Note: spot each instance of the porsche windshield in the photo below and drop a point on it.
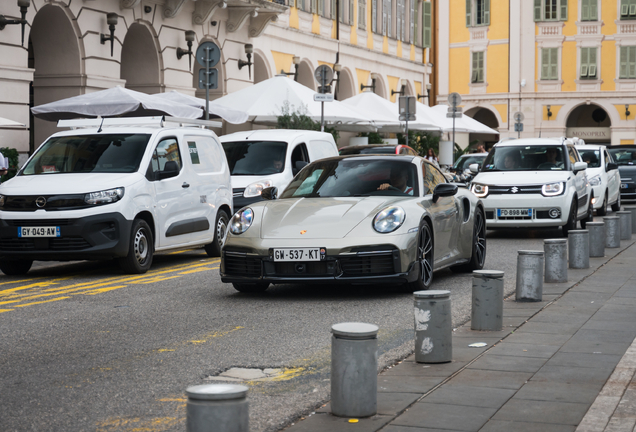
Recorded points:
(103, 153)
(255, 157)
(354, 177)
(525, 158)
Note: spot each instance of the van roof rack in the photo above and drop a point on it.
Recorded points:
(156, 121)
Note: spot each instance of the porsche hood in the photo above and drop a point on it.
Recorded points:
(313, 218)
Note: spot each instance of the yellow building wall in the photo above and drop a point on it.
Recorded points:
(282, 61)
(569, 70)
(502, 109)
(554, 109)
(315, 24)
(620, 109)
(363, 77)
(499, 11)
(627, 141)
(459, 66)
(609, 12)
(608, 65)
(570, 28)
(393, 84)
(458, 30)
(354, 33)
(497, 68)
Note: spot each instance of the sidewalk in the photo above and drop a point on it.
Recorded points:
(563, 364)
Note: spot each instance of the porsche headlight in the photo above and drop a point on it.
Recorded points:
(241, 221)
(104, 197)
(389, 219)
(479, 190)
(255, 189)
(552, 189)
(595, 181)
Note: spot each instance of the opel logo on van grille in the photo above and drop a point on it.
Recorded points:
(40, 202)
(514, 189)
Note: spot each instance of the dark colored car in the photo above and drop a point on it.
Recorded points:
(625, 157)
(459, 171)
(378, 149)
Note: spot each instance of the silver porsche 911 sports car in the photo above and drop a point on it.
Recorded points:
(356, 220)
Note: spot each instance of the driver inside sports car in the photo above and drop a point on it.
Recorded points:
(398, 180)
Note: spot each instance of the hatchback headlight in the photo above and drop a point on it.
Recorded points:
(479, 190)
(595, 181)
(255, 189)
(2, 200)
(389, 219)
(241, 221)
(104, 197)
(552, 189)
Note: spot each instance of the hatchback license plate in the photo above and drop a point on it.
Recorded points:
(299, 254)
(39, 232)
(514, 212)
(624, 185)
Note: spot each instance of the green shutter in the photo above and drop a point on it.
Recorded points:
(585, 10)
(554, 59)
(486, 12)
(593, 10)
(631, 61)
(469, 21)
(624, 8)
(475, 72)
(624, 68)
(584, 61)
(545, 63)
(563, 10)
(481, 67)
(415, 27)
(537, 10)
(426, 24)
(592, 63)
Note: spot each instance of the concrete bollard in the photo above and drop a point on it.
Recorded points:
(218, 408)
(354, 370)
(612, 231)
(626, 224)
(632, 210)
(530, 266)
(556, 260)
(578, 249)
(487, 306)
(433, 326)
(597, 238)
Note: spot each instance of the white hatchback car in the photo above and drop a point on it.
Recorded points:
(534, 183)
(603, 175)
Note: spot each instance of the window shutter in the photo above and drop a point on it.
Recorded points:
(585, 10)
(486, 12)
(537, 10)
(412, 17)
(469, 21)
(362, 14)
(374, 16)
(554, 63)
(592, 63)
(321, 7)
(632, 9)
(332, 9)
(341, 10)
(314, 6)
(389, 18)
(545, 63)
(593, 10)
(584, 61)
(563, 10)
(631, 61)
(426, 24)
(352, 6)
(398, 21)
(474, 74)
(384, 17)
(481, 67)
(624, 72)
(624, 8)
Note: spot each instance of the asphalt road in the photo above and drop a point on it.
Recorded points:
(84, 347)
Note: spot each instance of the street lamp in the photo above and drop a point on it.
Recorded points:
(111, 20)
(24, 5)
(295, 62)
(189, 37)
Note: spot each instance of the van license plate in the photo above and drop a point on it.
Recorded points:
(514, 212)
(299, 254)
(39, 232)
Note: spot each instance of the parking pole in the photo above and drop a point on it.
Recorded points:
(597, 238)
(354, 369)
(578, 249)
(612, 231)
(530, 264)
(556, 260)
(632, 210)
(626, 224)
(218, 408)
(487, 306)
(433, 326)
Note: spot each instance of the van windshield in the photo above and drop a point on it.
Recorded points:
(103, 153)
(525, 158)
(255, 157)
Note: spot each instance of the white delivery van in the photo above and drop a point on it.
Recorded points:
(260, 159)
(116, 188)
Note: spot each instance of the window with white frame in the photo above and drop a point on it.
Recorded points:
(589, 10)
(477, 13)
(352, 6)
(550, 10)
(588, 63)
(400, 19)
(374, 16)
(362, 14)
(332, 9)
(341, 10)
(412, 21)
(426, 24)
(549, 63)
(386, 17)
(628, 9)
(478, 67)
(627, 68)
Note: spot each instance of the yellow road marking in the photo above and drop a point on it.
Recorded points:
(5, 310)
(45, 301)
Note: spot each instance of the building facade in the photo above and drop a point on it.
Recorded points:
(67, 49)
(569, 66)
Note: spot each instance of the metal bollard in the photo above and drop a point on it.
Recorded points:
(632, 210)
(579, 249)
(354, 370)
(529, 276)
(626, 224)
(612, 231)
(597, 238)
(433, 326)
(218, 408)
(487, 306)
(556, 260)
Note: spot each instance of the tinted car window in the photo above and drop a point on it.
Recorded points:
(525, 158)
(625, 156)
(255, 157)
(431, 177)
(592, 157)
(463, 162)
(368, 150)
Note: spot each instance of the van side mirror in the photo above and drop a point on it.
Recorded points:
(474, 168)
(170, 169)
(270, 193)
(444, 190)
(579, 166)
(298, 166)
(612, 166)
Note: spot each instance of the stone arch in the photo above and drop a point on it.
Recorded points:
(221, 73)
(590, 121)
(306, 75)
(410, 91)
(346, 85)
(485, 116)
(381, 87)
(56, 51)
(261, 69)
(140, 60)
(585, 115)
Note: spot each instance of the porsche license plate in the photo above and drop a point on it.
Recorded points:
(299, 254)
(38, 232)
(514, 212)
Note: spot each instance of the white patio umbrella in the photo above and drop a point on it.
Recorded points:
(5, 122)
(462, 124)
(228, 114)
(384, 113)
(113, 102)
(266, 101)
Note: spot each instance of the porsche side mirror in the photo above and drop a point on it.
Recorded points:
(444, 190)
(474, 168)
(270, 193)
(579, 166)
(612, 166)
(298, 166)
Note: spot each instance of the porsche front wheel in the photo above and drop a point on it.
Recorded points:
(424, 260)
(478, 256)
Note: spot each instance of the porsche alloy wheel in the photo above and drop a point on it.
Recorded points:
(478, 256)
(424, 259)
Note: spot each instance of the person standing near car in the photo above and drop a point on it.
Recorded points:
(432, 157)
(3, 166)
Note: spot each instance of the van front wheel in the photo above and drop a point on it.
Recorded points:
(220, 232)
(140, 250)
